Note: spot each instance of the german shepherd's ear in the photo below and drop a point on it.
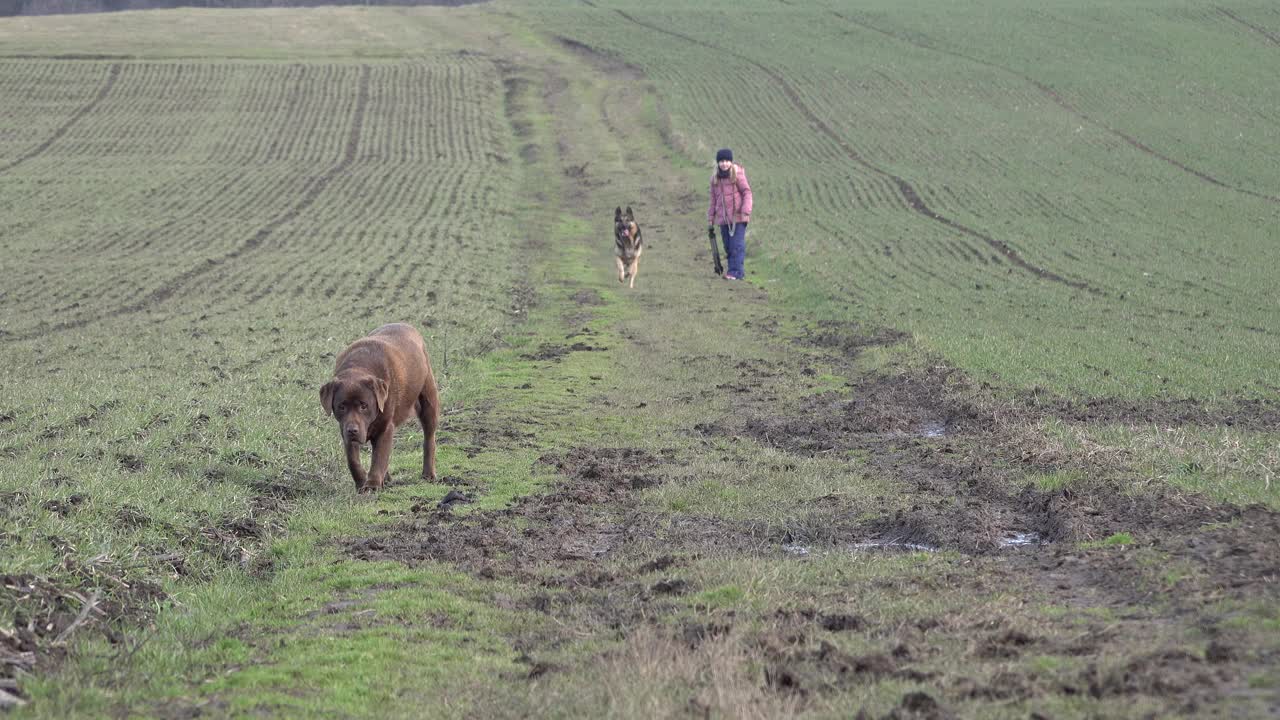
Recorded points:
(617, 213)
(326, 396)
(628, 214)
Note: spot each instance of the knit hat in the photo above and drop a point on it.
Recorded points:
(724, 154)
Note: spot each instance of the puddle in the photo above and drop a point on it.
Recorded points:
(893, 545)
(1020, 539)
(797, 550)
(935, 429)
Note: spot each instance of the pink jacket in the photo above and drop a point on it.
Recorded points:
(730, 198)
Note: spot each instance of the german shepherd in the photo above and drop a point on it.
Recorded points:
(627, 244)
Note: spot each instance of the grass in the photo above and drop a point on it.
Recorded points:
(1227, 464)
(714, 488)
(1120, 539)
(160, 417)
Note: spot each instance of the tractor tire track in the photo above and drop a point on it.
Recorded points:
(905, 188)
(1270, 36)
(112, 75)
(309, 197)
(1062, 102)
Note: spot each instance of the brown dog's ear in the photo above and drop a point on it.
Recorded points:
(380, 391)
(326, 396)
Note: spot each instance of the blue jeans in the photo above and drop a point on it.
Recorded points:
(735, 248)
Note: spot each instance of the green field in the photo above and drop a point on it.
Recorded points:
(992, 429)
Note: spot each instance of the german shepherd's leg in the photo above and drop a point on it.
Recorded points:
(635, 264)
(621, 269)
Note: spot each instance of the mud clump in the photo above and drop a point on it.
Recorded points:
(842, 623)
(548, 351)
(823, 669)
(1168, 673)
(1009, 644)
(587, 296)
(919, 706)
(848, 341)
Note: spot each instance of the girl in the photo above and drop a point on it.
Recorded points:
(731, 210)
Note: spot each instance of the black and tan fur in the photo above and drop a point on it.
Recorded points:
(627, 244)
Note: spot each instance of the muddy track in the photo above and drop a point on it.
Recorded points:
(907, 191)
(1270, 36)
(964, 482)
(312, 193)
(112, 75)
(964, 475)
(1065, 105)
(591, 557)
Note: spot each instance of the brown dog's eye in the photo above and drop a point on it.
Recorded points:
(363, 406)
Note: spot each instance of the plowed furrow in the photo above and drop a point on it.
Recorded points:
(310, 194)
(1069, 107)
(113, 74)
(1271, 37)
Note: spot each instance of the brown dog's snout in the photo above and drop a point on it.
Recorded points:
(352, 433)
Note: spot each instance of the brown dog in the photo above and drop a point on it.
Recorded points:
(379, 381)
(627, 244)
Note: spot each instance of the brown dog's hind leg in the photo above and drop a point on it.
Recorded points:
(428, 408)
(353, 463)
(381, 459)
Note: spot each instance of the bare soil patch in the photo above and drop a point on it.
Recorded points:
(540, 538)
(49, 616)
(587, 296)
(113, 599)
(553, 351)
(1241, 413)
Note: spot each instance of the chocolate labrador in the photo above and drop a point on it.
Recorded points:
(379, 381)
